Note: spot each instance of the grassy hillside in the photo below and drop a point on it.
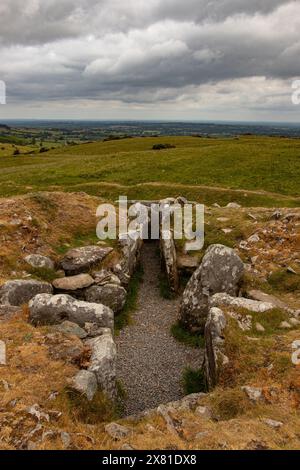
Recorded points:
(251, 170)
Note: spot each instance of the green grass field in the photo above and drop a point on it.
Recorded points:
(255, 171)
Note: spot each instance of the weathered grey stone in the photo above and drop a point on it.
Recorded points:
(219, 300)
(116, 431)
(80, 260)
(214, 345)
(263, 297)
(169, 258)
(48, 309)
(104, 277)
(39, 261)
(85, 383)
(131, 251)
(2, 353)
(221, 271)
(253, 393)
(122, 274)
(73, 329)
(103, 363)
(111, 295)
(188, 263)
(19, 292)
(73, 283)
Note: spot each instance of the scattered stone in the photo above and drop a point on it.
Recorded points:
(116, 431)
(259, 328)
(38, 413)
(291, 270)
(19, 292)
(220, 271)
(219, 300)
(223, 219)
(244, 321)
(254, 238)
(103, 362)
(276, 215)
(285, 325)
(39, 261)
(65, 439)
(201, 435)
(2, 353)
(73, 283)
(111, 295)
(272, 423)
(204, 412)
(253, 393)
(127, 447)
(227, 230)
(73, 329)
(252, 216)
(79, 260)
(4, 383)
(85, 383)
(48, 309)
(104, 277)
(233, 205)
(216, 205)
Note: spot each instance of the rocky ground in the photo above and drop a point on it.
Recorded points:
(151, 362)
(255, 404)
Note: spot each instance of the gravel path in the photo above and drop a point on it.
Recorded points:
(150, 360)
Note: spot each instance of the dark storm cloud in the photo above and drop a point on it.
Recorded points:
(146, 51)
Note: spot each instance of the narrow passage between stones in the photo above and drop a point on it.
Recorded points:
(150, 361)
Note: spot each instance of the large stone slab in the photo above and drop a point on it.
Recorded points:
(103, 362)
(80, 260)
(73, 283)
(111, 295)
(169, 258)
(48, 309)
(214, 346)
(19, 292)
(224, 300)
(221, 270)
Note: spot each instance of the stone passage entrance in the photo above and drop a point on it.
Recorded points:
(150, 361)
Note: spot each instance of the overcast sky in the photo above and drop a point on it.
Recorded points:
(150, 59)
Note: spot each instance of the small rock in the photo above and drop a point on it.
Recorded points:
(70, 328)
(216, 205)
(203, 411)
(37, 413)
(294, 321)
(2, 353)
(201, 435)
(223, 219)
(276, 215)
(65, 439)
(291, 270)
(127, 447)
(233, 205)
(73, 283)
(104, 277)
(254, 238)
(285, 325)
(272, 423)
(116, 431)
(85, 383)
(39, 261)
(259, 328)
(254, 393)
(227, 230)
(79, 260)
(111, 295)
(252, 216)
